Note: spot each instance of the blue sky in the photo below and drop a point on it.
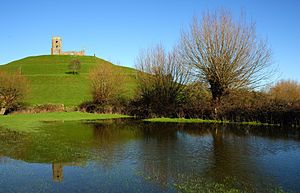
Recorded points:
(116, 30)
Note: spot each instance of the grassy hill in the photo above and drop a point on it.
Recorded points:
(51, 83)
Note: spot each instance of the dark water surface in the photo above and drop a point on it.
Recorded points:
(132, 156)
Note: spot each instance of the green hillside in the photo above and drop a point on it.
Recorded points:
(51, 83)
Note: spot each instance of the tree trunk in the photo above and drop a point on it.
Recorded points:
(2, 111)
(216, 103)
(217, 92)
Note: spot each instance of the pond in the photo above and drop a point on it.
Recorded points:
(134, 156)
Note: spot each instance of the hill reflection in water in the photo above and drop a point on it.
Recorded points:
(132, 156)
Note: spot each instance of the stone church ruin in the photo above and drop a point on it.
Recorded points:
(56, 48)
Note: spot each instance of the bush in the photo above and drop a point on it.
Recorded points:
(42, 108)
(119, 106)
(286, 90)
(251, 106)
(105, 84)
(161, 79)
(13, 88)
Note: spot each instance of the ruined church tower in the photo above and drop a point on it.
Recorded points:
(56, 46)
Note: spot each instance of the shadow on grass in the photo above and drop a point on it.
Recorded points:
(74, 73)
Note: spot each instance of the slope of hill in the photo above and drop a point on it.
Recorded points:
(50, 82)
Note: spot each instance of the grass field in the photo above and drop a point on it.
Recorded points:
(50, 82)
(31, 122)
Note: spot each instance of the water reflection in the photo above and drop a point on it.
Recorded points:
(154, 156)
(58, 172)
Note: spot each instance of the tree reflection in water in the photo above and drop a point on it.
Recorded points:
(160, 153)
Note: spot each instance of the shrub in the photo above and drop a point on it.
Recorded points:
(13, 88)
(161, 79)
(105, 84)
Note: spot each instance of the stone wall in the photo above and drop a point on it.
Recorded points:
(75, 53)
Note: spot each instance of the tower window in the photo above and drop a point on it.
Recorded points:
(56, 46)
(56, 41)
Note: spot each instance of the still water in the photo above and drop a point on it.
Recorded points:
(132, 156)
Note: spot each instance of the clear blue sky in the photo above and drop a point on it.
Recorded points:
(116, 30)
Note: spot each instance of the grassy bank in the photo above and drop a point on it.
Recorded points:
(31, 122)
(183, 120)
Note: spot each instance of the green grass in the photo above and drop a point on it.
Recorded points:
(183, 120)
(256, 123)
(50, 83)
(32, 122)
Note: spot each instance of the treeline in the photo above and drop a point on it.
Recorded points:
(211, 73)
(195, 101)
(165, 90)
(279, 104)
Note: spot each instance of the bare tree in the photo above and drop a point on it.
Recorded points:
(13, 87)
(106, 83)
(286, 90)
(226, 54)
(74, 66)
(161, 78)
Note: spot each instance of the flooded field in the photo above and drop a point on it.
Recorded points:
(133, 156)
